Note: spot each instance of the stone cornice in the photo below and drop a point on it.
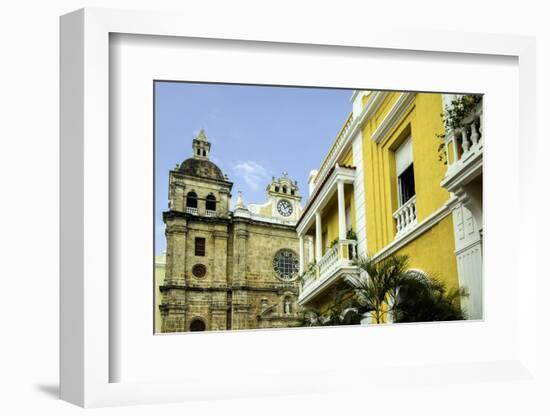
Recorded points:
(178, 214)
(241, 234)
(218, 306)
(263, 222)
(220, 234)
(172, 286)
(176, 229)
(173, 306)
(179, 175)
(224, 288)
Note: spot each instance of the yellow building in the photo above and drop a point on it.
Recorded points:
(160, 272)
(383, 190)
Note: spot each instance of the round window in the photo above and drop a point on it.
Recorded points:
(199, 270)
(285, 264)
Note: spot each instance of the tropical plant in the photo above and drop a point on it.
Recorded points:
(453, 115)
(340, 312)
(350, 235)
(389, 287)
(428, 301)
(377, 284)
(301, 276)
(333, 243)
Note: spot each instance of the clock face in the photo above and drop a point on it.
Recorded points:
(284, 207)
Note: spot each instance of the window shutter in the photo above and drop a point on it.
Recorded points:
(403, 156)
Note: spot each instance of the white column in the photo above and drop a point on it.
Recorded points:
(302, 254)
(310, 250)
(318, 237)
(341, 211)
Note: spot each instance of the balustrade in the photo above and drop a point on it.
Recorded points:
(330, 158)
(405, 217)
(340, 254)
(465, 140)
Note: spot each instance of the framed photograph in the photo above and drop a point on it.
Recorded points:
(295, 199)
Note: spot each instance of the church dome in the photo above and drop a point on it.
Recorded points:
(202, 168)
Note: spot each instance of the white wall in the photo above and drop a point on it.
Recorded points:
(29, 209)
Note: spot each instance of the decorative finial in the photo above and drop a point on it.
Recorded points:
(202, 135)
(240, 203)
(285, 174)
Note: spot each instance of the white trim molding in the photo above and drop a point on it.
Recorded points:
(417, 231)
(393, 117)
(344, 140)
(359, 195)
(343, 268)
(340, 173)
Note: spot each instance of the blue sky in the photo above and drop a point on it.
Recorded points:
(256, 132)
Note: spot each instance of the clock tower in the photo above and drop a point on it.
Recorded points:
(285, 198)
(282, 204)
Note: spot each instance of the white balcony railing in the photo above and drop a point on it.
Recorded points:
(210, 213)
(192, 210)
(330, 159)
(405, 217)
(337, 258)
(309, 279)
(328, 260)
(466, 140)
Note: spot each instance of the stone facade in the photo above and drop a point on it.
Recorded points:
(220, 272)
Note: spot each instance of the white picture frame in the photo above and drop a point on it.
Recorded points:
(86, 353)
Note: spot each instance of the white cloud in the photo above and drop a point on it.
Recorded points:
(252, 173)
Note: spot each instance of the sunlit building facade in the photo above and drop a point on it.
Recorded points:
(386, 188)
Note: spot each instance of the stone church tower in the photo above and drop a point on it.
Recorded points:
(224, 269)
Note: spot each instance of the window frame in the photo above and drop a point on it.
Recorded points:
(197, 250)
(406, 143)
(400, 198)
(188, 198)
(210, 199)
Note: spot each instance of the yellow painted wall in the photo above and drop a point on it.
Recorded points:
(160, 268)
(347, 159)
(429, 171)
(329, 219)
(423, 122)
(433, 253)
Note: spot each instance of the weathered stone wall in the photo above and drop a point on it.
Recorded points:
(240, 288)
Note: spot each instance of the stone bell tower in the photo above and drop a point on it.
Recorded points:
(194, 289)
(201, 146)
